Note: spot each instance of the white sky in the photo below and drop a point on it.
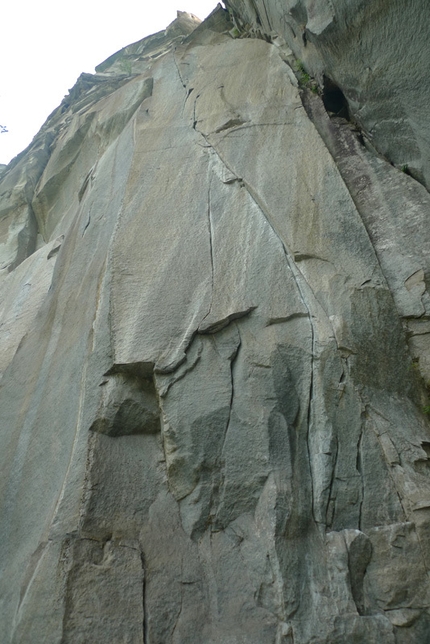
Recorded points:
(46, 44)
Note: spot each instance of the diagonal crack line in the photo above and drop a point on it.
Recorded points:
(211, 233)
(375, 430)
(267, 16)
(300, 281)
(328, 519)
(233, 361)
(347, 177)
(178, 70)
(183, 83)
(297, 274)
(359, 468)
(211, 249)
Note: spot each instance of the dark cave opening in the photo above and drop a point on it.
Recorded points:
(334, 99)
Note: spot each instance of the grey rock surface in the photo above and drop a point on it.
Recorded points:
(375, 53)
(214, 326)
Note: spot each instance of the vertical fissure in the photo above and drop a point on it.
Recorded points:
(389, 469)
(144, 607)
(218, 486)
(233, 360)
(179, 73)
(328, 518)
(210, 228)
(298, 277)
(359, 468)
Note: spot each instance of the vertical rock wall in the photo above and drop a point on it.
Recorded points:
(214, 317)
(374, 52)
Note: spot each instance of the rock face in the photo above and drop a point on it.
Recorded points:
(374, 54)
(214, 327)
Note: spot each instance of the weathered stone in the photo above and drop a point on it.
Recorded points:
(352, 49)
(213, 424)
(128, 406)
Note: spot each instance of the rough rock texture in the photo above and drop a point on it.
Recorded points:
(375, 52)
(215, 342)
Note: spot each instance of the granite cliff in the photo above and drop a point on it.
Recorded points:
(214, 327)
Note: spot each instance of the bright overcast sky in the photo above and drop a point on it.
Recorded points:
(46, 44)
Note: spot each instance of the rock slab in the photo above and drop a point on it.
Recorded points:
(214, 329)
